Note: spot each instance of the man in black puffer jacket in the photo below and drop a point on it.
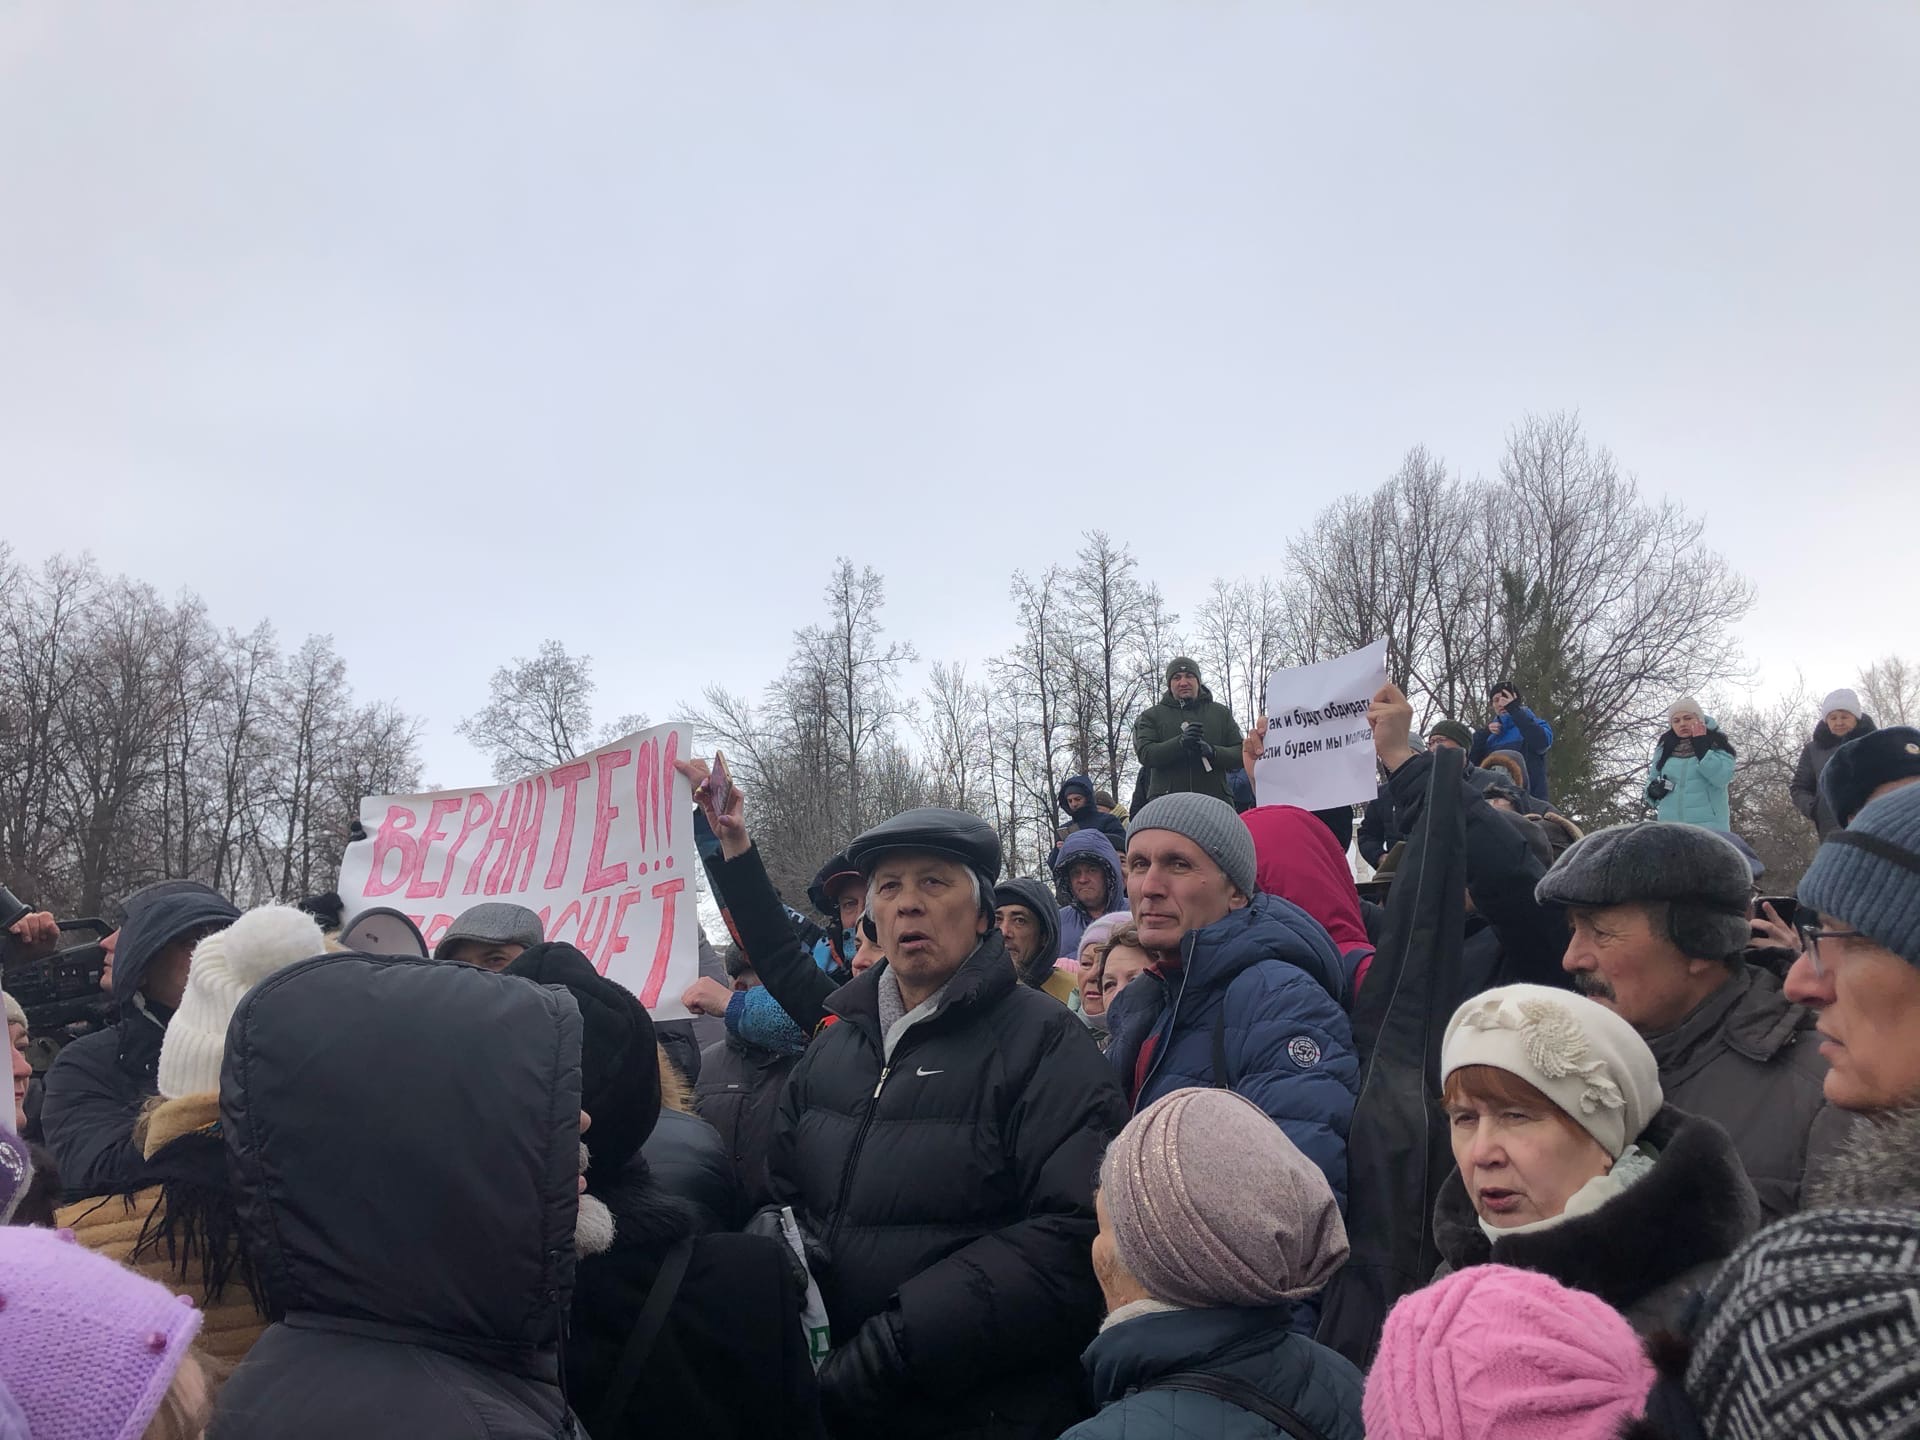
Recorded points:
(939, 1140)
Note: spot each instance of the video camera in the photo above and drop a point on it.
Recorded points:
(59, 989)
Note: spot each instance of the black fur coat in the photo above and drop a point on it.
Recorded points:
(1647, 1251)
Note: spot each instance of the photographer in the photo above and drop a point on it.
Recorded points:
(1692, 768)
(1512, 726)
(98, 1084)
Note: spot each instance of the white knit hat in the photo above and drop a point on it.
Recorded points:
(226, 965)
(1575, 1051)
(1847, 700)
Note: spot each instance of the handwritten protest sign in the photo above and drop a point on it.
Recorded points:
(601, 848)
(1319, 751)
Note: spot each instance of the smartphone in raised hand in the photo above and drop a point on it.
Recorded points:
(717, 792)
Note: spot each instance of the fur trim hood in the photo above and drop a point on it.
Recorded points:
(1695, 1208)
(1877, 1165)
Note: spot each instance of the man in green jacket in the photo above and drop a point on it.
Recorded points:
(1188, 741)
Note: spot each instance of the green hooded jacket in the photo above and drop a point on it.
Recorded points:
(1156, 740)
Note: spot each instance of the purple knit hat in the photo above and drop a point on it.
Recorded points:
(87, 1347)
(1494, 1353)
(1211, 1204)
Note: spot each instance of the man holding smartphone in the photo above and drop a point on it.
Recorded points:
(1512, 726)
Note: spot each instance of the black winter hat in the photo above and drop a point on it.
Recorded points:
(1181, 665)
(1864, 764)
(931, 830)
(1451, 730)
(1659, 861)
(619, 1062)
(818, 893)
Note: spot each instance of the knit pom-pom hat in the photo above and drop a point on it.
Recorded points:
(226, 965)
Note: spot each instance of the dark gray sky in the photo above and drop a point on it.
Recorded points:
(445, 328)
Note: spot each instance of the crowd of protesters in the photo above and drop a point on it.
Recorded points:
(1548, 1133)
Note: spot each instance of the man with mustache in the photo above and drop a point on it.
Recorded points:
(1661, 914)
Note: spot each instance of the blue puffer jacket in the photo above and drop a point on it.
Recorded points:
(1522, 731)
(1073, 917)
(1252, 1346)
(1699, 782)
(1268, 983)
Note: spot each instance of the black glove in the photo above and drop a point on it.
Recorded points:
(1190, 740)
(859, 1379)
(1204, 750)
(766, 1221)
(1192, 731)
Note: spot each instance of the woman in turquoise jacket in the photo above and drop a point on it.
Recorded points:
(1692, 767)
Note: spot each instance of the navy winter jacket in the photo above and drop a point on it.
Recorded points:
(1073, 916)
(1268, 983)
(1251, 1346)
(1523, 731)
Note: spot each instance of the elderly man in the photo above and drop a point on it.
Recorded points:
(939, 1140)
(1212, 1226)
(1661, 916)
(1188, 741)
(97, 1086)
(1246, 990)
(1860, 966)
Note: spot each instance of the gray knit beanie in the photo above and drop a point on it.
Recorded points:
(1211, 824)
(1211, 1204)
(1813, 1328)
(1868, 875)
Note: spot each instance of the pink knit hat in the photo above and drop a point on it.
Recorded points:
(87, 1347)
(1494, 1353)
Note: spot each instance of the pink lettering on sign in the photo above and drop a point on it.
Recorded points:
(642, 768)
(506, 821)
(593, 924)
(566, 780)
(599, 874)
(433, 930)
(391, 836)
(499, 833)
(526, 838)
(479, 812)
(665, 891)
(616, 942)
(421, 888)
(666, 774)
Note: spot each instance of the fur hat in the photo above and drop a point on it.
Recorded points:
(1866, 762)
(1211, 824)
(1584, 1058)
(226, 965)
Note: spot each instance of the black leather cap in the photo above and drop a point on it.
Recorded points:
(931, 830)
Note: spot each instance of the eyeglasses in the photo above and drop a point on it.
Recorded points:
(1811, 935)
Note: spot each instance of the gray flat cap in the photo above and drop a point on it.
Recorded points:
(494, 923)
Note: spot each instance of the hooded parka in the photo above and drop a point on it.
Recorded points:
(405, 1140)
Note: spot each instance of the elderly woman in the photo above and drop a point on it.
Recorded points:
(1692, 767)
(1571, 1163)
(1841, 719)
(1212, 1226)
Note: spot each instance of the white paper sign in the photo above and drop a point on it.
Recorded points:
(601, 848)
(1319, 751)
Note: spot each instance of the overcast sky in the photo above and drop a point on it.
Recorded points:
(448, 327)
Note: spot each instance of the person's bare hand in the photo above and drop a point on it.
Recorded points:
(1390, 717)
(707, 997)
(731, 827)
(1770, 932)
(1252, 747)
(38, 932)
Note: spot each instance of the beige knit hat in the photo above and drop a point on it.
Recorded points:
(1575, 1051)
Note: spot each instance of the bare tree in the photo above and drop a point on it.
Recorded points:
(1767, 739)
(1890, 690)
(955, 728)
(1111, 616)
(539, 714)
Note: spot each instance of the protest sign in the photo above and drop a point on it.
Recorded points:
(1319, 751)
(601, 848)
